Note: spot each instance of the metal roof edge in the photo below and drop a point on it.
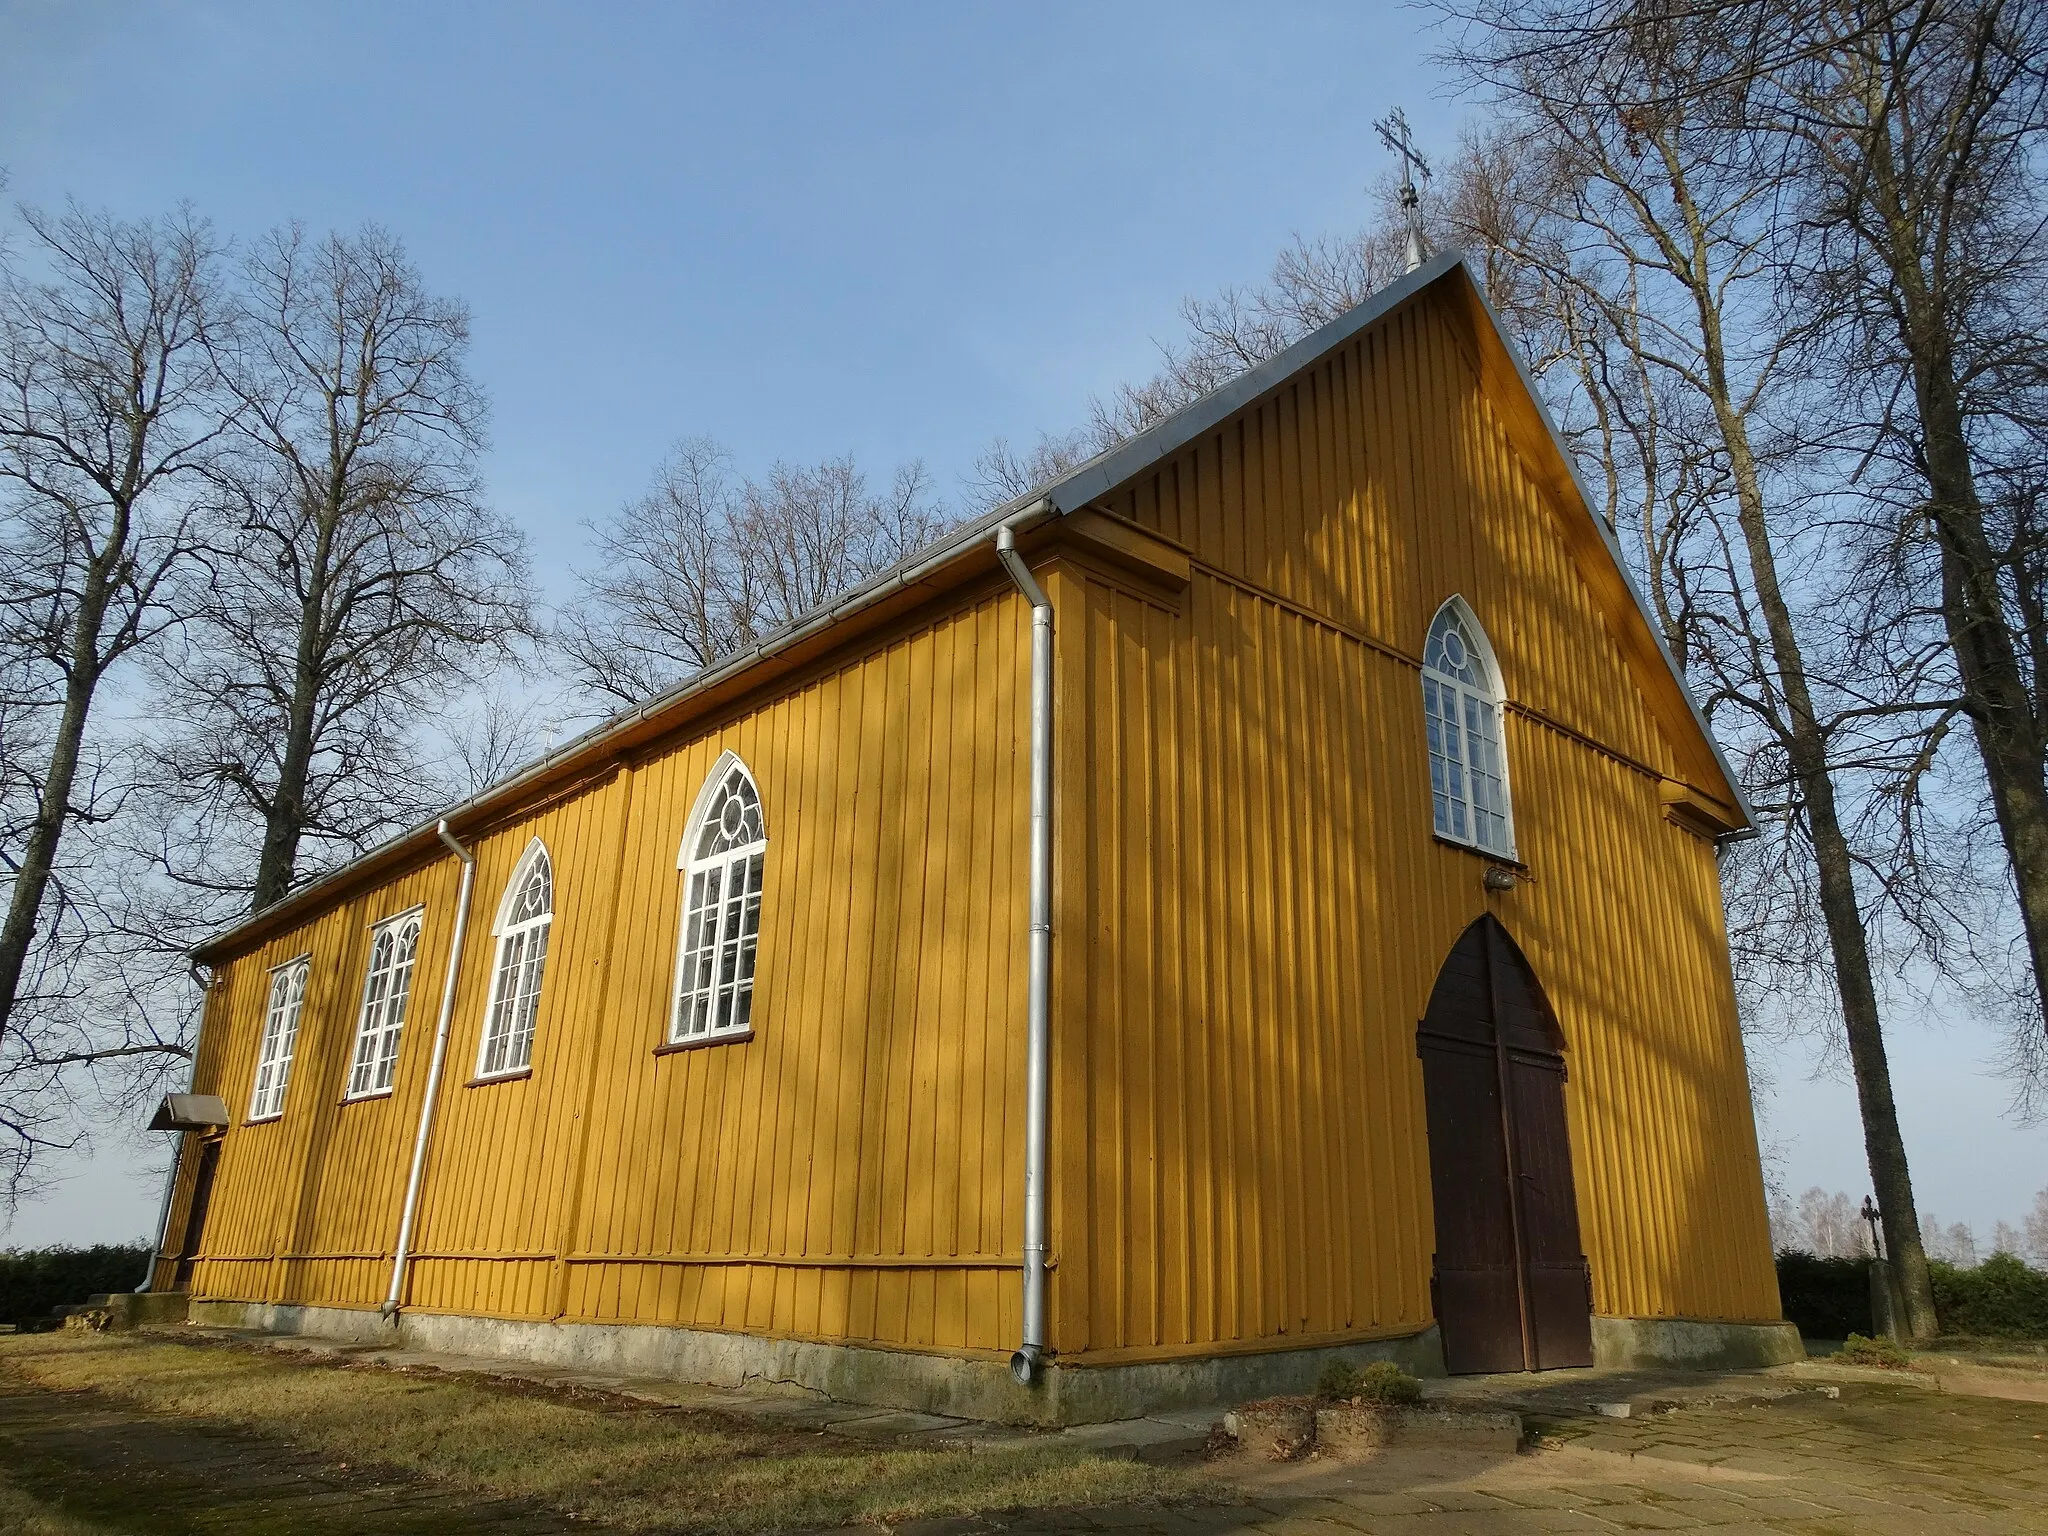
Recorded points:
(1103, 473)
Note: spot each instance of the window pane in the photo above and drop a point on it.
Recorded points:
(733, 819)
(519, 1052)
(280, 1037)
(384, 997)
(1452, 650)
(1468, 781)
(504, 999)
(407, 947)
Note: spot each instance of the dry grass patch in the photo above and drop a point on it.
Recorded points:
(23, 1514)
(640, 1468)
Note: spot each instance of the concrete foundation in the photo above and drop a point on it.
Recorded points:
(964, 1387)
(960, 1387)
(1648, 1343)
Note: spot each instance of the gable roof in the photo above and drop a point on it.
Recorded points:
(1501, 368)
(967, 549)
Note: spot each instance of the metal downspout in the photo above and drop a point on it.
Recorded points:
(1026, 1362)
(419, 1146)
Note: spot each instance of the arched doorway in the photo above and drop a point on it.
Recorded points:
(1511, 1285)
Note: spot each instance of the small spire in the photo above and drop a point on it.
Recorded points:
(1393, 132)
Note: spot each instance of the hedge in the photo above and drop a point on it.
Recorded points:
(2001, 1299)
(1827, 1298)
(35, 1281)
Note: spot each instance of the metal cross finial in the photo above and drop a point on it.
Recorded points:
(1393, 132)
(1872, 1215)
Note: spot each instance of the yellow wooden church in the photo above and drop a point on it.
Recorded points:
(1251, 901)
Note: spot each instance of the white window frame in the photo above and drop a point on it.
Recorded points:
(518, 970)
(387, 992)
(718, 938)
(1461, 778)
(285, 1004)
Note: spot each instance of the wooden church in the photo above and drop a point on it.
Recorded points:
(1252, 901)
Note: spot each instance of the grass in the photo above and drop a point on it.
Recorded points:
(1882, 1353)
(23, 1514)
(633, 1467)
(1379, 1382)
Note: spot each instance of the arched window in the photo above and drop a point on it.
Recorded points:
(386, 990)
(1461, 700)
(721, 860)
(280, 1037)
(524, 917)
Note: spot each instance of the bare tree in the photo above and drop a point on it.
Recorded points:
(357, 576)
(656, 604)
(707, 562)
(1954, 1244)
(1311, 283)
(108, 414)
(1003, 473)
(2036, 1225)
(1830, 1226)
(809, 531)
(484, 744)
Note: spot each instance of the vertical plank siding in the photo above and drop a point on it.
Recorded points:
(1250, 910)
(849, 1172)
(1260, 906)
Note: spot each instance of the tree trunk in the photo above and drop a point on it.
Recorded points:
(1994, 686)
(53, 812)
(284, 818)
(1806, 748)
(39, 855)
(1995, 692)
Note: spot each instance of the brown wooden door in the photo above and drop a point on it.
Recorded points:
(1510, 1279)
(195, 1218)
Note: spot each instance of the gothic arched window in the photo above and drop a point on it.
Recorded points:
(525, 914)
(280, 1037)
(721, 860)
(1461, 702)
(386, 990)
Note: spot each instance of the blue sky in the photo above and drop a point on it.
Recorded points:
(895, 231)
